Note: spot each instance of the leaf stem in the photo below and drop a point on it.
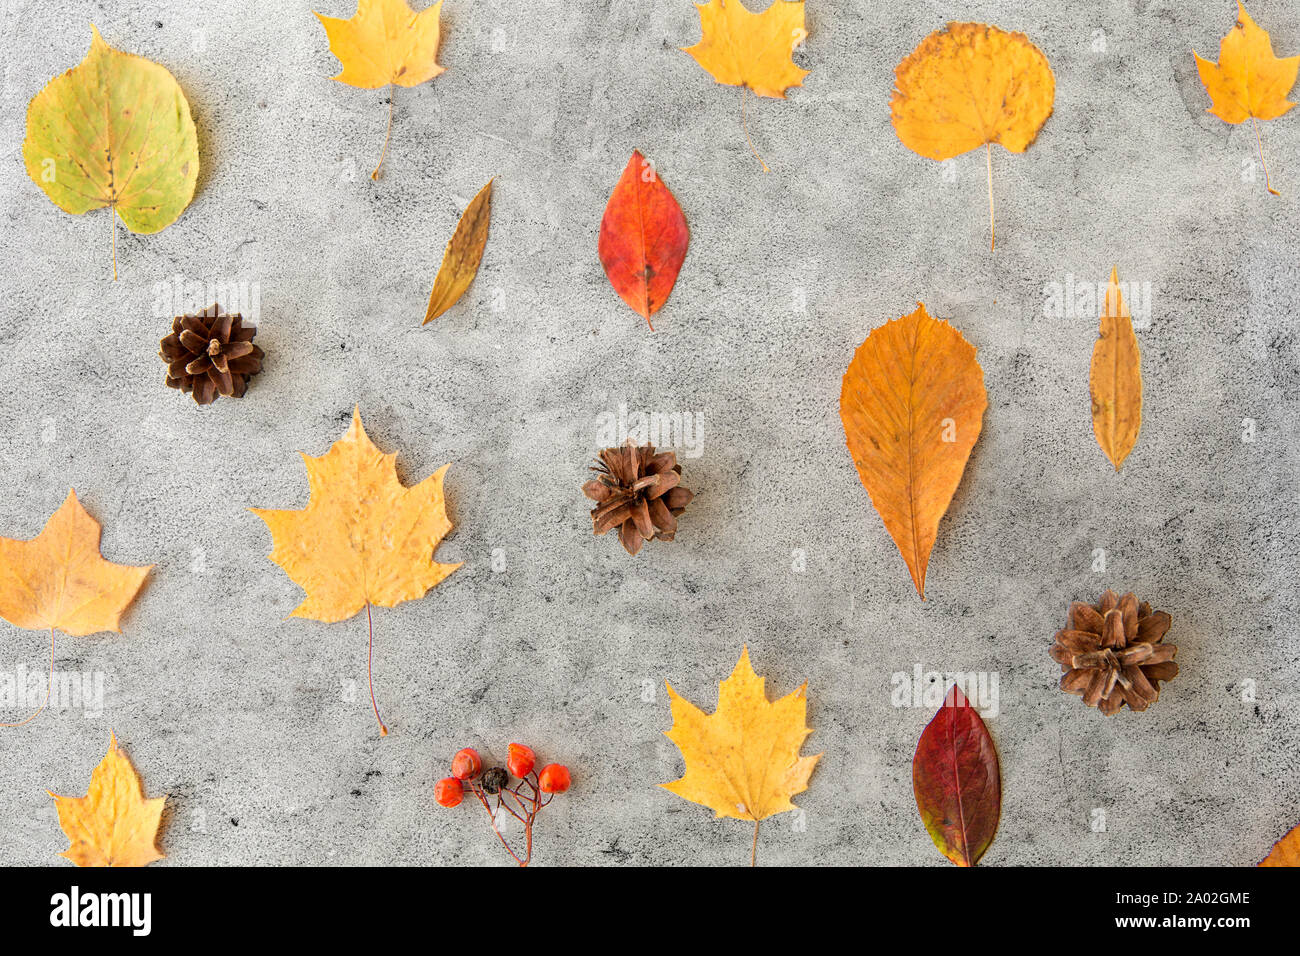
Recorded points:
(1260, 143)
(387, 135)
(112, 215)
(370, 674)
(49, 686)
(744, 124)
(988, 163)
(753, 850)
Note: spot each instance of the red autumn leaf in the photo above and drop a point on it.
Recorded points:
(956, 780)
(643, 238)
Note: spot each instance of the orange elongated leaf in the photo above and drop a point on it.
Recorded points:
(363, 538)
(743, 760)
(1248, 82)
(59, 581)
(643, 238)
(957, 782)
(968, 86)
(461, 257)
(113, 824)
(1285, 852)
(1116, 379)
(386, 43)
(912, 403)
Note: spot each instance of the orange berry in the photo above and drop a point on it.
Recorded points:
(554, 778)
(520, 760)
(466, 764)
(448, 791)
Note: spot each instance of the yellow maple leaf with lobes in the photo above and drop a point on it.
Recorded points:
(385, 42)
(742, 760)
(113, 824)
(740, 48)
(59, 580)
(363, 538)
(1248, 81)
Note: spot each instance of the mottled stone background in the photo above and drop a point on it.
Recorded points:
(258, 727)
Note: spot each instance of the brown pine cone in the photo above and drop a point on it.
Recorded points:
(1113, 653)
(638, 492)
(209, 354)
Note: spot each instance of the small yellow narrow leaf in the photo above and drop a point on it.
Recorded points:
(461, 258)
(742, 760)
(1116, 379)
(113, 824)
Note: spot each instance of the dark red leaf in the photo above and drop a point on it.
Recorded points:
(643, 238)
(956, 780)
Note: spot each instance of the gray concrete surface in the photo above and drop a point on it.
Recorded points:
(258, 728)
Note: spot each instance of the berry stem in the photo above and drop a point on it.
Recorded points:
(370, 676)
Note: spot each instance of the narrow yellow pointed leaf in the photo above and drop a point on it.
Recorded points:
(742, 760)
(461, 258)
(1116, 379)
(113, 824)
(364, 538)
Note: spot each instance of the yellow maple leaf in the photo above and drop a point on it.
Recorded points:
(740, 48)
(751, 50)
(113, 824)
(1248, 82)
(363, 538)
(742, 760)
(58, 580)
(968, 86)
(386, 43)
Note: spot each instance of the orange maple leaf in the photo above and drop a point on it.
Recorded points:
(113, 824)
(58, 581)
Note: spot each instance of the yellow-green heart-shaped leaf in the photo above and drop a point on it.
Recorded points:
(114, 131)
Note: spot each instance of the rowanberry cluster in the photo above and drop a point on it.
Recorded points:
(523, 801)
